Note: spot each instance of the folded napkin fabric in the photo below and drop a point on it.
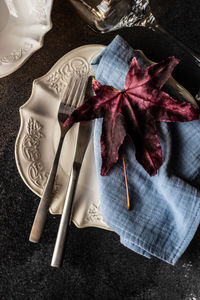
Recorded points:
(165, 208)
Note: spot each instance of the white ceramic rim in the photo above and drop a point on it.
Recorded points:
(41, 44)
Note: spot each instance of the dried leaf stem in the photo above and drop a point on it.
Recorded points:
(126, 182)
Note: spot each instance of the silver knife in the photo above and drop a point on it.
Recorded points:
(84, 134)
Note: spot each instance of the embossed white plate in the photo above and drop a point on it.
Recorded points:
(23, 24)
(39, 135)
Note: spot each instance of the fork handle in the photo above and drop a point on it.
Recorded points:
(43, 208)
(59, 248)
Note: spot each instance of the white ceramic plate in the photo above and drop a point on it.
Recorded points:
(23, 24)
(39, 135)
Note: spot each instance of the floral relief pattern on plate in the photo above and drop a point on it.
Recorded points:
(54, 82)
(94, 214)
(39, 9)
(40, 12)
(15, 54)
(31, 152)
(58, 80)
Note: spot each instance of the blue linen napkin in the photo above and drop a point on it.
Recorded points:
(165, 208)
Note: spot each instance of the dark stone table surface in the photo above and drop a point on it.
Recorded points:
(96, 265)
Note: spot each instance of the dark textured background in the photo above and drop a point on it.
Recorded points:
(96, 266)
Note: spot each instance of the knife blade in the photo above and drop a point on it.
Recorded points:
(84, 134)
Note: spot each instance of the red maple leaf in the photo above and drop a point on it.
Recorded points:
(134, 112)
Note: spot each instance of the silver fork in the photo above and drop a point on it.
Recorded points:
(73, 97)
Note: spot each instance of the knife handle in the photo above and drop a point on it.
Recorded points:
(59, 248)
(43, 208)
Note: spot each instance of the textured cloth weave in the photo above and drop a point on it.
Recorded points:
(165, 208)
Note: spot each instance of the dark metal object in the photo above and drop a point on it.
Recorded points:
(112, 15)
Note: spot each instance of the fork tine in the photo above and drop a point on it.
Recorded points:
(65, 95)
(73, 90)
(83, 89)
(77, 92)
